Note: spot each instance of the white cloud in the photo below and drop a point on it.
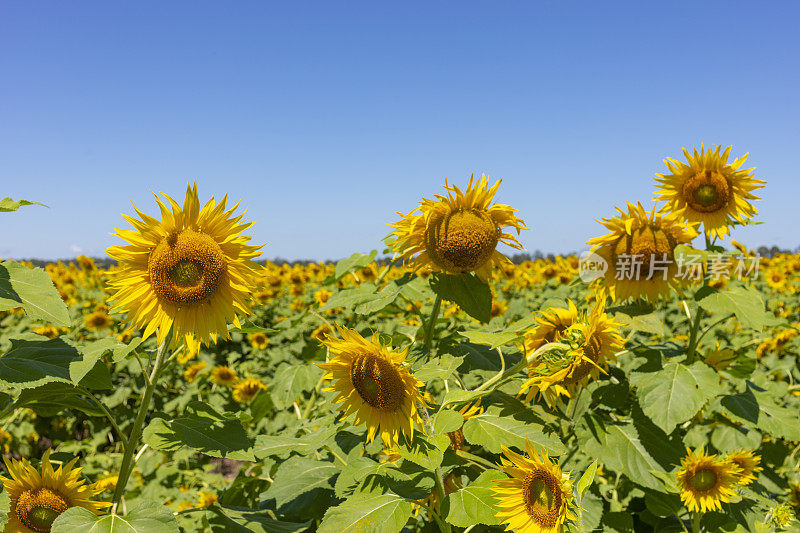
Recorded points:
(75, 248)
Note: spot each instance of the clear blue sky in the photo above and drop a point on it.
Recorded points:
(325, 118)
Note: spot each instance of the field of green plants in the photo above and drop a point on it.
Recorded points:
(434, 386)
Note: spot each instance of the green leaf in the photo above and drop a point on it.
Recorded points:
(33, 363)
(456, 396)
(732, 438)
(31, 289)
(5, 508)
(618, 447)
(649, 323)
(475, 503)
(298, 475)
(52, 398)
(447, 420)
(203, 429)
(759, 408)
(291, 380)
(351, 263)
(145, 516)
(587, 479)
(427, 452)
(382, 513)
(744, 302)
(440, 367)
(491, 339)
(284, 445)
(241, 520)
(675, 393)
(490, 431)
(465, 290)
(8, 205)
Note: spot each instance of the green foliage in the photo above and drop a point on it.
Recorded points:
(7, 204)
(380, 513)
(465, 290)
(144, 516)
(31, 289)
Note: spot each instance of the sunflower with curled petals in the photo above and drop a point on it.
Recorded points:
(372, 381)
(37, 499)
(706, 482)
(640, 252)
(748, 462)
(459, 232)
(537, 497)
(709, 190)
(189, 272)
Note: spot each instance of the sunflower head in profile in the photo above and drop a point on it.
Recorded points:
(748, 462)
(459, 232)
(38, 498)
(537, 497)
(706, 481)
(640, 252)
(190, 271)
(371, 381)
(709, 190)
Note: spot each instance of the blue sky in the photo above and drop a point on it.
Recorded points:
(325, 118)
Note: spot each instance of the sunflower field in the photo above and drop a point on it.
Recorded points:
(650, 384)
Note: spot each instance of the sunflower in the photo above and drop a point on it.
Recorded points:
(258, 340)
(191, 271)
(372, 382)
(37, 499)
(537, 498)
(190, 374)
(706, 482)
(97, 320)
(709, 190)
(794, 494)
(246, 390)
(224, 375)
(457, 234)
(748, 462)
(191, 347)
(640, 252)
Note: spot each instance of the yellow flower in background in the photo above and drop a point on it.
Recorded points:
(107, 482)
(372, 382)
(38, 498)
(190, 374)
(457, 234)
(537, 497)
(206, 498)
(706, 482)
(191, 347)
(246, 390)
(709, 190)
(224, 375)
(51, 332)
(97, 321)
(748, 462)
(640, 252)
(258, 340)
(794, 494)
(191, 271)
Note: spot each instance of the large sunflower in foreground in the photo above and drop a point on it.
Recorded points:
(459, 232)
(191, 271)
(372, 382)
(706, 481)
(37, 499)
(537, 498)
(710, 190)
(640, 252)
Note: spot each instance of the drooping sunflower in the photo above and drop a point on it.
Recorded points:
(706, 481)
(191, 271)
(457, 234)
(748, 462)
(537, 498)
(372, 382)
(709, 190)
(38, 498)
(640, 252)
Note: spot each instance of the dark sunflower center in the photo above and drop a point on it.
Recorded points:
(707, 191)
(186, 267)
(644, 254)
(704, 479)
(461, 241)
(542, 497)
(38, 508)
(377, 381)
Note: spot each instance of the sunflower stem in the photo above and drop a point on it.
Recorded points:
(690, 353)
(138, 425)
(476, 459)
(109, 416)
(696, 522)
(525, 361)
(439, 480)
(431, 326)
